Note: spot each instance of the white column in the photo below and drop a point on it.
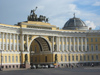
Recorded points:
(27, 42)
(22, 42)
(62, 44)
(70, 43)
(81, 43)
(6, 41)
(17, 42)
(85, 44)
(2, 41)
(52, 43)
(78, 43)
(9, 41)
(14, 42)
(66, 44)
(74, 43)
(56, 43)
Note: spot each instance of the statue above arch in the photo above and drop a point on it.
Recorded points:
(33, 17)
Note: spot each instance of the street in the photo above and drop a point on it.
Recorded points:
(53, 71)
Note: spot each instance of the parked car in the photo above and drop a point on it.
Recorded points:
(38, 66)
(51, 66)
(33, 67)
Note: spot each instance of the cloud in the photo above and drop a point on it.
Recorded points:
(90, 24)
(96, 3)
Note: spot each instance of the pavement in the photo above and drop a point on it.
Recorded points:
(53, 71)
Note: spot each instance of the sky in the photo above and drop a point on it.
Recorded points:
(58, 11)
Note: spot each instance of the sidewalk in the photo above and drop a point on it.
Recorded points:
(14, 69)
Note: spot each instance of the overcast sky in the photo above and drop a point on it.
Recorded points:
(58, 11)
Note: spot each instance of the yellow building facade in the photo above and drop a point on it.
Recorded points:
(37, 42)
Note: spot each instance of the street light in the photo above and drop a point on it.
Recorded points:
(1, 61)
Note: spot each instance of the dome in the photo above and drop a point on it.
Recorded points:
(75, 24)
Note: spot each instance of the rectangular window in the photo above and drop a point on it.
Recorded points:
(83, 39)
(88, 58)
(92, 57)
(84, 58)
(73, 58)
(69, 57)
(61, 58)
(87, 47)
(87, 40)
(2, 58)
(91, 39)
(79, 47)
(96, 40)
(83, 47)
(96, 47)
(72, 47)
(35, 59)
(79, 39)
(76, 58)
(80, 58)
(75, 47)
(91, 47)
(65, 58)
(5, 58)
(16, 58)
(96, 57)
(12, 58)
(9, 58)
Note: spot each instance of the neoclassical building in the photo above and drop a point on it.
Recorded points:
(38, 42)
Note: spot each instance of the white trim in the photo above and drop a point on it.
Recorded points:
(10, 63)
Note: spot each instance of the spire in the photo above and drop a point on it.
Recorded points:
(74, 15)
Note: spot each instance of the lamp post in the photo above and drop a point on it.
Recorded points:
(1, 61)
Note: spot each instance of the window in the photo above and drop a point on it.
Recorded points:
(61, 58)
(87, 47)
(75, 39)
(35, 49)
(83, 39)
(96, 57)
(69, 57)
(68, 47)
(35, 59)
(72, 47)
(79, 47)
(75, 47)
(83, 47)
(96, 47)
(76, 58)
(20, 59)
(5, 58)
(91, 47)
(45, 58)
(91, 39)
(80, 58)
(16, 58)
(60, 47)
(2, 58)
(84, 57)
(79, 39)
(72, 58)
(65, 58)
(92, 57)
(96, 40)
(71, 39)
(87, 40)
(12, 58)
(9, 58)
(88, 58)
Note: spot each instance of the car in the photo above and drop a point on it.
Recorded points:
(51, 66)
(38, 66)
(33, 67)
